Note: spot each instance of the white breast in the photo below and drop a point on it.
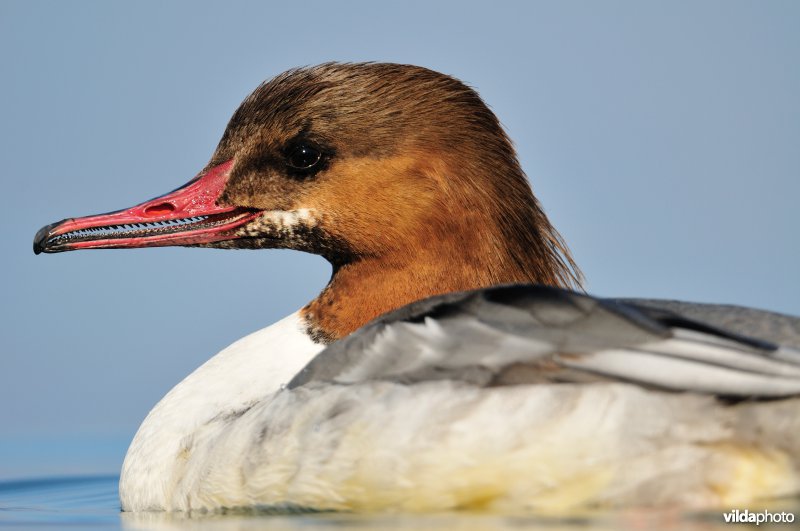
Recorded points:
(249, 371)
(443, 445)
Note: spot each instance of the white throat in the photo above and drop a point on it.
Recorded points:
(250, 370)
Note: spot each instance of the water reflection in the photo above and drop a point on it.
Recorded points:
(649, 520)
(91, 502)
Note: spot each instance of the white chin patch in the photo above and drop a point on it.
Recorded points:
(290, 218)
(279, 223)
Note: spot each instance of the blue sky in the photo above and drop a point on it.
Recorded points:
(662, 139)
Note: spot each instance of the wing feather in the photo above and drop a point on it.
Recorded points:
(535, 334)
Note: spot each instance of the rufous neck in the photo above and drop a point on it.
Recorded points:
(362, 290)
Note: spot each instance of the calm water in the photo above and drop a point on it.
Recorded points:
(91, 503)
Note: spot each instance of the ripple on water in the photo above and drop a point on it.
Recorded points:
(87, 501)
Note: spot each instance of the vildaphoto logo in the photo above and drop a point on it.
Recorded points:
(737, 516)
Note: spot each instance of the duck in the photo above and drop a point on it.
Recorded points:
(453, 361)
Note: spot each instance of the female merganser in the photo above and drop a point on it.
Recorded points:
(525, 396)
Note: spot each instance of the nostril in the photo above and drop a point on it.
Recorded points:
(159, 209)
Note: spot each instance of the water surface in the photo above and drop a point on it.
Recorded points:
(90, 502)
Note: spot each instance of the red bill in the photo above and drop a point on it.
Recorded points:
(189, 215)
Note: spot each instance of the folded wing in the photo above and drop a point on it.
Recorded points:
(525, 334)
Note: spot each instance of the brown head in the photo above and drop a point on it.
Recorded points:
(400, 176)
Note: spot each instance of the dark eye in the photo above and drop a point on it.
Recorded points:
(303, 157)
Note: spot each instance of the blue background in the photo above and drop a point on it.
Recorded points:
(662, 138)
